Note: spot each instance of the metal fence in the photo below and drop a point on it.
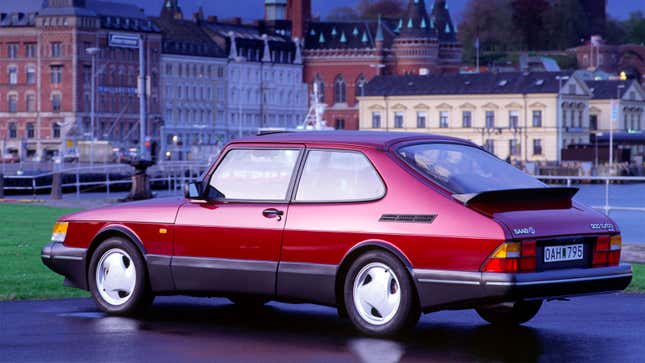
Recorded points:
(606, 180)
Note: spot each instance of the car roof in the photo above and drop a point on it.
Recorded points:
(375, 139)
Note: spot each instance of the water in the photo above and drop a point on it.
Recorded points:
(632, 224)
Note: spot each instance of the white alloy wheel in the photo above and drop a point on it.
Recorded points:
(116, 277)
(377, 293)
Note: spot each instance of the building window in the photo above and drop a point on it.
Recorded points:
(340, 124)
(56, 74)
(12, 103)
(443, 119)
(30, 50)
(57, 49)
(30, 74)
(13, 130)
(513, 119)
(340, 90)
(489, 146)
(593, 122)
(56, 102)
(421, 120)
(12, 50)
(490, 119)
(398, 120)
(537, 146)
(31, 103)
(376, 120)
(580, 119)
(30, 130)
(13, 74)
(360, 86)
(537, 118)
(467, 119)
(513, 147)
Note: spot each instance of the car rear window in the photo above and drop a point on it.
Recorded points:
(338, 176)
(465, 169)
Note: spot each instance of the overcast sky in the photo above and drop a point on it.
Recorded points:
(253, 9)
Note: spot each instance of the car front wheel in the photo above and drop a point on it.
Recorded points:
(379, 295)
(514, 313)
(117, 278)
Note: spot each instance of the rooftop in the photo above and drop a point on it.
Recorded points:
(607, 89)
(374, 139)
(458, 84)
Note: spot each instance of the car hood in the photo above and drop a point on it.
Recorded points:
(158, 210)
(577, 219)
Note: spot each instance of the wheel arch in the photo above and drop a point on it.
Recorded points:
(113, 231)
(359, 250)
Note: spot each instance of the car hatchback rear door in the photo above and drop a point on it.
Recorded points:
(232, 244)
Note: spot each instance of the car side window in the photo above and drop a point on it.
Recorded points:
(255, 174)
(338, 176)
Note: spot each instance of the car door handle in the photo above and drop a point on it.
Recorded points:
(273, 213)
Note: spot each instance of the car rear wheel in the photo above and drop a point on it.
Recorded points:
(514, 313)
(117, 278)
(379, 295)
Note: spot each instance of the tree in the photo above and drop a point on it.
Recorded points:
(528, 18)
(491, 22)
(635, 27)
(343, 13)
(371, 9)
(565, 25)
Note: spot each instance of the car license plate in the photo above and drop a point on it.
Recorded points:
(563, 253)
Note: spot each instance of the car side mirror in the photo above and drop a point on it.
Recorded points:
(194, 191)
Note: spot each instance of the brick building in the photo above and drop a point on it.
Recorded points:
(46, 76)
(342, 56)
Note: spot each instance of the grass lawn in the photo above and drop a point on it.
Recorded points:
(24, 230)
(638, 281)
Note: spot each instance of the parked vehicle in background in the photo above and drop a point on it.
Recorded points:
(384, 226)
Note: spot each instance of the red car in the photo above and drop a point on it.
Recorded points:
(383, 226)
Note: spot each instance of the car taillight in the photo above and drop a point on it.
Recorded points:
(512, 257)
(607, 251)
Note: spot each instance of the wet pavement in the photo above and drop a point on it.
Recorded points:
(602, 328)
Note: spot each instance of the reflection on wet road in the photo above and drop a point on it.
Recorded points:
(604, 328)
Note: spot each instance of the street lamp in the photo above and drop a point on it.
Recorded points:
(92, 52)
(559, 128)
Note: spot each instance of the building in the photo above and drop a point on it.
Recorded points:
(45, 91)
(597, 55)
(629, 127)
(224, 79)
(340, 57)
(193, 83)
(514, 115)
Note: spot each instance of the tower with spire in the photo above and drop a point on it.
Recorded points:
(171, 9)
(416, 48)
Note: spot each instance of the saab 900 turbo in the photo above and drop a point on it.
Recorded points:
(383, 226)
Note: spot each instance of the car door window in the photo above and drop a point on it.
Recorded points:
(338, 176)
(255, 174)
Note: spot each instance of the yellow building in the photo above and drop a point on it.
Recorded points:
(511, 114)
(631, 110)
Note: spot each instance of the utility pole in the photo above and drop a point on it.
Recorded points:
(142, 100)
(92, 52)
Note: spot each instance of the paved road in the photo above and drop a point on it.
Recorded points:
(605, 328)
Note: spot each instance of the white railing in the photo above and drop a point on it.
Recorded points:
(607, 181)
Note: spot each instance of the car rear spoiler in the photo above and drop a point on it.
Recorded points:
(518, 199)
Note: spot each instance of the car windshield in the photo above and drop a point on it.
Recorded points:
(465, 169)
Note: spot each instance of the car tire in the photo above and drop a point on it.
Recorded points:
(509, 314)
(118, 278)
(380, 298)
(248, 301)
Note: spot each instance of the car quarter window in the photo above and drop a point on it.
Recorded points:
(338, 176)
(255, 174)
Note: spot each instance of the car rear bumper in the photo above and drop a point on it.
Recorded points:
(445, 289)
(67, 261)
